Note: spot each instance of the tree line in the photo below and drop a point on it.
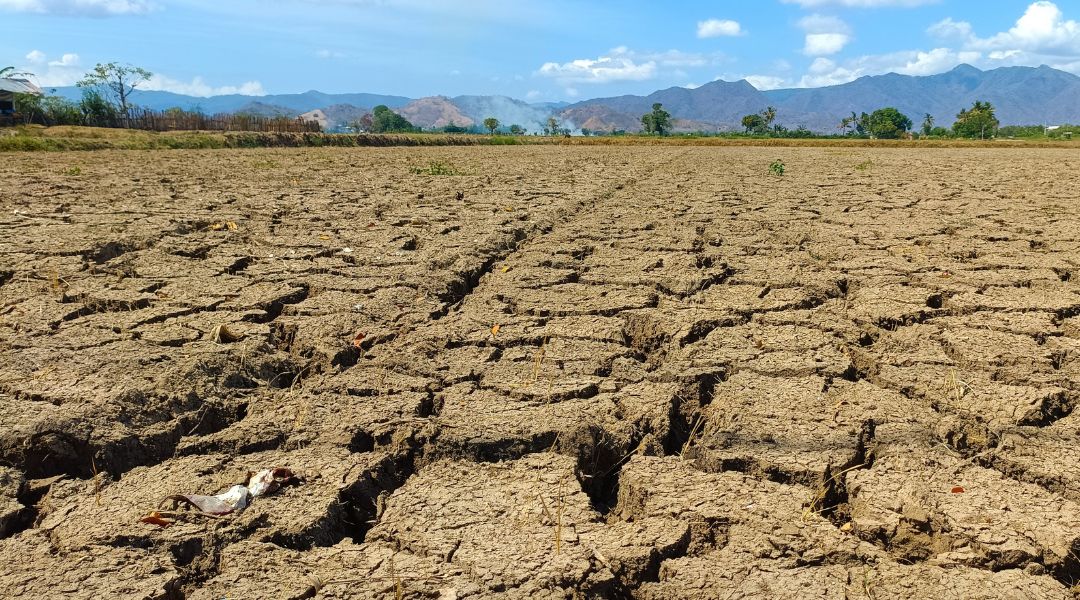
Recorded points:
(107, 90)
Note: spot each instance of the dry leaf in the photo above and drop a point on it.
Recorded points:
(505, 269)
(324, 237)
(155, 518)
(495, 329)
(958, 490)
(847, 527)
(358, 339)
(221, 334)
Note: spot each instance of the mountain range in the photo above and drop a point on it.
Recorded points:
(1021, 95)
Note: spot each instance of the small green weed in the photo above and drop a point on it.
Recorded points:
(777, 168)
(73, 171)
(865, 165)
(436, 167)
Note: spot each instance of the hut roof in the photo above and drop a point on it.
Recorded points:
(19, 86)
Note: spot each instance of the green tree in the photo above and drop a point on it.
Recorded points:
(97, 111)
(887, 123)
(517, 130)
(977, 122)
(753, 123)
(658, 121)
(553, 126)
(491, 124)
(115, 82)
(384, 120)
(768, 116)
(928, 124)
(844, 124)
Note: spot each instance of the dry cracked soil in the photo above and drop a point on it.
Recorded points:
(557, 372)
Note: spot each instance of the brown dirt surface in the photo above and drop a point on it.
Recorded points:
(542, 372)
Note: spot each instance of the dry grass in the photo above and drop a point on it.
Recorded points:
(36, 138)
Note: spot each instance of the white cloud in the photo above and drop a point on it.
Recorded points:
(617, 65)
(1042, 29)
(624, 64)
(824, 35)
(950, 30)
(87, 8)
(533, 95)
(860, 3)
(824, 71)
(712, 28)
(823, 44)
(823, 24)
(198, 87)
(1042, 35)
(571, 92)
(766, 82)
(326, 54)
(67, 60)
(52, 73)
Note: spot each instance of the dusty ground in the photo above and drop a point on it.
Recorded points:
(563, 372)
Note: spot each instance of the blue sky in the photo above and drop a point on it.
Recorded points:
(531, 49)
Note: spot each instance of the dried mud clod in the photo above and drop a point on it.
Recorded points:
(608, 373)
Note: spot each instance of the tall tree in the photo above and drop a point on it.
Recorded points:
(888, 123)
(928, 124)
(768, 115)
(977, 122)
(491, 124)
(658, 121)
(552, 127)
(753, 123)
(384, 120)
(117, 80)
(845, 123)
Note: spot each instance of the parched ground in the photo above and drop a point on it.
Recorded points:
(560, 372)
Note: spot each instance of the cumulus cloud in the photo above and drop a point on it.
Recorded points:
(1042, 29)
(67, 60)
(823, 44)
(87, 8)
(624, 64)
(604, 69)
(1042, 35)
(766, 82)
(712, 28)
(63, 71)
(824, 35)
(824, 71)
(949, 30)
(199, 87)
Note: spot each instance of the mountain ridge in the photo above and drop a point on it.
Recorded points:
(1021, 95)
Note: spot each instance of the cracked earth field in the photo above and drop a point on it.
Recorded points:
(654, 373)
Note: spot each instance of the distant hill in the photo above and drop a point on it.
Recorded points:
(1022, 96)
(507, 110)
(598, 117)
(435, 111)
(716, 102)
(264, 109)
(299, 103)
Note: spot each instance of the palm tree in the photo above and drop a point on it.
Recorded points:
(928, 124)
(845, 123)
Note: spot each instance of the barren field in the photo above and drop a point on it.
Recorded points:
(542, 372)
